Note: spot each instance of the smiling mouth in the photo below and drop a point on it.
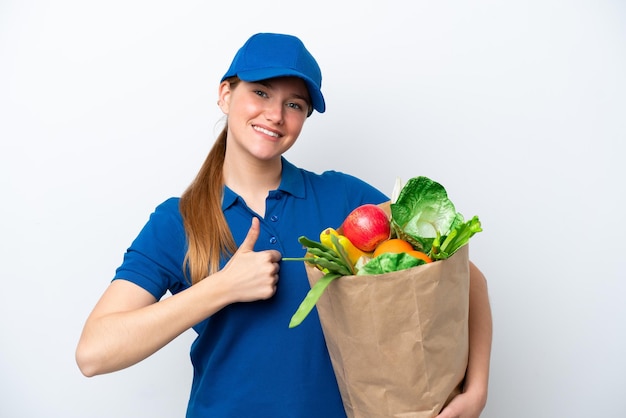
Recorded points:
(265, 131)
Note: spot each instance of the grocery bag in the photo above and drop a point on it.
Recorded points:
(398, 341)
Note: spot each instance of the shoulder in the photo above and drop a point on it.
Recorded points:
(169, 205)
(168, 209)
(292, 172)
(165, 220)
(338, 183)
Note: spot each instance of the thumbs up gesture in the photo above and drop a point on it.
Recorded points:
(252, 275)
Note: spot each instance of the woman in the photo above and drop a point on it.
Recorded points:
(218, 249)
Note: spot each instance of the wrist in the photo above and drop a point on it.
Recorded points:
(216, 292)
(477, 390)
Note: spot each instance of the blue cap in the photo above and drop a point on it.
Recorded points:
(269, 55)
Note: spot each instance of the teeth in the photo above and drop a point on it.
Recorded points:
(266, 132)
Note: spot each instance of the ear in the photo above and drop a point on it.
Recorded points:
(223, 94)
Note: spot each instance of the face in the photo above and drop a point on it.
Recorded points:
(264, 118)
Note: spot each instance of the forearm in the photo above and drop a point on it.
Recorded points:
(480, 336)
(118, 336)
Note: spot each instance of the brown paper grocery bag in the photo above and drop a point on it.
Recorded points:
(398, 341)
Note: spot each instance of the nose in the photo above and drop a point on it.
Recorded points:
(274, 111)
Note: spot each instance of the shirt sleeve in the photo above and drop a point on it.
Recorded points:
(154, 261)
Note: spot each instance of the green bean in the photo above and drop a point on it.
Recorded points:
(311, 299)
(333, 266)
(322, 251)
(324, 254)
(323, 262)
(313, 244)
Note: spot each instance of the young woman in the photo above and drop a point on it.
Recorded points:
(218, 250)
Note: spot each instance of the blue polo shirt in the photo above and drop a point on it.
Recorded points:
(246, 360)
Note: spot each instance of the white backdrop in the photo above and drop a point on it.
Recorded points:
(518, 108)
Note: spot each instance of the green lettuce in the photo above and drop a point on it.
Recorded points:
(425, 216)
(389, 262)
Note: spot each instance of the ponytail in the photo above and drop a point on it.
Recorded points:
(208, 235)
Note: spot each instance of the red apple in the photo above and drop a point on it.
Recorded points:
(366, 227)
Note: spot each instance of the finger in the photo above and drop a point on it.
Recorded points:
(253, 235)
(445, 414)
(276, 256)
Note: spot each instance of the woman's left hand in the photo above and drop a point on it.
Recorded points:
(464, 405)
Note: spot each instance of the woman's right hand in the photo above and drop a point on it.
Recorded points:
(251, 275)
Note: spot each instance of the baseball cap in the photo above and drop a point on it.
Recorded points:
(270, 55)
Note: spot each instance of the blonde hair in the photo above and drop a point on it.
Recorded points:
(208, 235)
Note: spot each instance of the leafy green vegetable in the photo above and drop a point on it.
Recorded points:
(425, 216)
(389, 262)
(458, 237)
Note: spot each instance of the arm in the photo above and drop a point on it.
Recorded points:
(471, 402)
(128, 324)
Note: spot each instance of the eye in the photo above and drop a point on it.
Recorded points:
(295, 106)
(261, 93)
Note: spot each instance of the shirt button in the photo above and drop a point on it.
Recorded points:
(274, 218)
(278, 196)
(273, 240)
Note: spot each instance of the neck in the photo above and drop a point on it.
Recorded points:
(263, 175)
(252, 180)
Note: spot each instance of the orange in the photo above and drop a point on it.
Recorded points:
(393, 245)
(420, 255)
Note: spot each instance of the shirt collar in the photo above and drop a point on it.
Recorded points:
(292, 182)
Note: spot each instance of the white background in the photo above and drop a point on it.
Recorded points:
(518, 108)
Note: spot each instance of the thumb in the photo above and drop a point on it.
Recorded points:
(253, 235)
